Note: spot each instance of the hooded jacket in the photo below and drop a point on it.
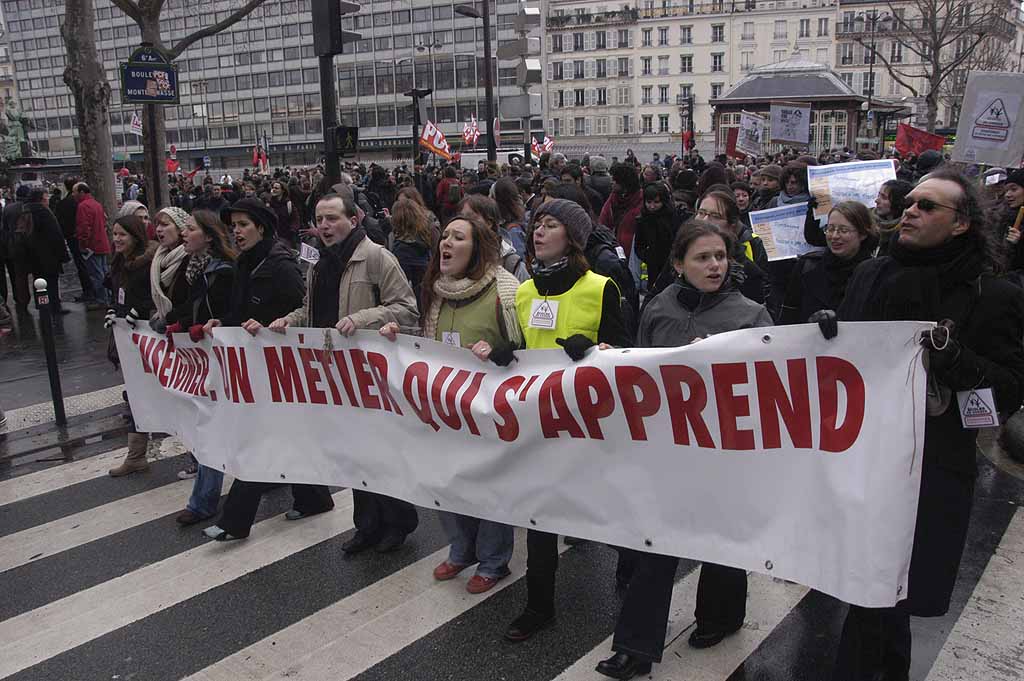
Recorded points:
(208, 296)
(267, 284)
(681, 313)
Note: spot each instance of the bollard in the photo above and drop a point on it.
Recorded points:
(46, 326)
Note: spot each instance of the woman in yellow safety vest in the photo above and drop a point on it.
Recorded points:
(564, 305)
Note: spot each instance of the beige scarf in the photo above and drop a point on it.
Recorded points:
(161, 274)
(447, 288)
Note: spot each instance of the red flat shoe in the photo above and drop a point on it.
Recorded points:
(479, 584)
(446, 571)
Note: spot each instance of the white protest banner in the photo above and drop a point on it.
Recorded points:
(791, 122)
(750, 139)
(782, 230)
(989, 130)
(772, 449)
(855, 181)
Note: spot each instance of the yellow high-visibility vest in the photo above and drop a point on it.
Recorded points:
(578, 310)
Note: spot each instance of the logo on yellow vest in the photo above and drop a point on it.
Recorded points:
(543, 314)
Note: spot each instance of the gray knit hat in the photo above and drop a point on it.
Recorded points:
(569, 213)
(177, 215)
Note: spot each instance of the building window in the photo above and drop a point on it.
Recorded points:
(577, 42)
(602, 68)
(805, 28)
(748, 30)
(624, 67)
(846, 53)
(645, 94)
(602, 98)
(624, 96)
(868, 80)
(745, 61)
(556, 127)
(601, 44)
(686, 63)
(556, 71)
(781, 29)
(625, 38)
(645, 38)
(663, 36)
(686, 35)
(779, 55)
(896, 53)
(579, 97)
(601, 125)
(685, 91)
(556, 43)
(718, 62)
(579, 126)
(663, 65)
(847, 78)
(577, 69)
(716, 90)
(663, 123)
(869, 55)
(822, 27)
(663, 94)
(718, 33)
(647, 124)
(645, 63)
(624, 124)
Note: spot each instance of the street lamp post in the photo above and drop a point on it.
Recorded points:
(433, 73)
(873, 18)
(474, 13)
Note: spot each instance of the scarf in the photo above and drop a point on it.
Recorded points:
(447, 288)
(325, 293)
(694, 300)
(196, 266)
(918, 289)
(161, 275)
(542, 271)
(839, 270)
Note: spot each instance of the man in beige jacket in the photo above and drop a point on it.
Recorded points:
(358, 284)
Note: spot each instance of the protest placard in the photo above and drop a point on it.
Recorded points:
(782, 230)
(791, 122)
(750, 139)
(856, 181)
(989, 130)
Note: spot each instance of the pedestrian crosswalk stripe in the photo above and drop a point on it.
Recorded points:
(352, 635)
(74, 405)
(58, 477)
(40, 634)
(77, 529)
(768, 601)
(987, 641)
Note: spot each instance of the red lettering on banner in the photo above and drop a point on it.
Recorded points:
(730, 405)
(379, 367)
(363, 379)
(218, 352)
(144, 344)
(627, 380)
(686, 412)
(508, 429)
(238, 372)
(466, 403)
(200, 372)
(594, 399)
(283, 372)
(420, 402)
(313, 376)
(554, 413)
(446, 409)
(773, 402)
(325, 361)
(162, 356)
(346, 380)
(180, 368)
(831, 372)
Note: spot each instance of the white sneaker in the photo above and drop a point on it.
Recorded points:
(189, 473)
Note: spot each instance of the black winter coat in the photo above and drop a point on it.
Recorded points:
(208, 296)
(129, 282)
(655, 233)
(43, 251)
(267, 285)
(989, 318)
(604, 260)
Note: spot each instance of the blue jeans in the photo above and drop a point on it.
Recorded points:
(206, 492)
(474, 540)
(96, 266)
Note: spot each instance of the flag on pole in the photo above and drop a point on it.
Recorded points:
(433, 140)
(911, 140)
(497, 133)
(136, 126)
(548, 144)
(471, 132)
(256, 156)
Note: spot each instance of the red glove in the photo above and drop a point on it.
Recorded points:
(173, 328)
(195, 332)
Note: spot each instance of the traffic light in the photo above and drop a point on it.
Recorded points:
(328, 37)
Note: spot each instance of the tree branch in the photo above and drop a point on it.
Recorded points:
(129, 8)
(897, 75)
(233, 18)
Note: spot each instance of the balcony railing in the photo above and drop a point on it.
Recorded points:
(624, 16)
(685, 8)
(862, 29)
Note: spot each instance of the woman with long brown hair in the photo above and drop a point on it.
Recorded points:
(412, 237)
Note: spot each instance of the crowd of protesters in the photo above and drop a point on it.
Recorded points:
(660, 254)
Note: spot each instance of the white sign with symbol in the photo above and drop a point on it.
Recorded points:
(309, 254)
(989, 131)
(451, 338)
(543, 314)
(978, 408)
(136, 124)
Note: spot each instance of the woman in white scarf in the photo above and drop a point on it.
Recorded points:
(169, 255)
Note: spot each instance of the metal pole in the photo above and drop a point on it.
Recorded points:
(46, 326)
(527, 139)
(492, 147)
(329, 118)
(415, 122)
(154, 200)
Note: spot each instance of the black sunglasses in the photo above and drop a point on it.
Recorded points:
(928, 206)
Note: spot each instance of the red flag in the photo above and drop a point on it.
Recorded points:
(255, 157)
(730, 144)
(911, 140)
(172, 165)
(433, 140)
(688, 140)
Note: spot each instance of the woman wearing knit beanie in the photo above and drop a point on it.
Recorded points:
(564, 305)
(469, 302)
(139, 210)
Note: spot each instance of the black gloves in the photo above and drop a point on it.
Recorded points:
(502, 356)
(158, 324)
(576, 346)
(737, 273)
(943, 349)
(827, 322)
(109, 318)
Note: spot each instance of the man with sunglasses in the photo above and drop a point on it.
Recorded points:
(939, 269)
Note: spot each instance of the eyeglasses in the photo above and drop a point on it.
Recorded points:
(839, 231)
(701, 213)
(928, 206)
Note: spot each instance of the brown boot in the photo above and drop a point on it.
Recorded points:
(138, 446)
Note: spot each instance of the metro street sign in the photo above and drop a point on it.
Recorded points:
(149, 78)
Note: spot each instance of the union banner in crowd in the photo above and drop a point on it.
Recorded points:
(773, 450)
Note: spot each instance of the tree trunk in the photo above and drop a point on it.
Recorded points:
(85, 76)
(154, 142)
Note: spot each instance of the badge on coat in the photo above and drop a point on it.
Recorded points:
(543, 314)
(977, 408)
(120, 296)
(451, 338)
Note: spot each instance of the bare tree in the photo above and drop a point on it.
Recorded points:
(938, 36)
(85, 76)
(990, 55)
(146, 13)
